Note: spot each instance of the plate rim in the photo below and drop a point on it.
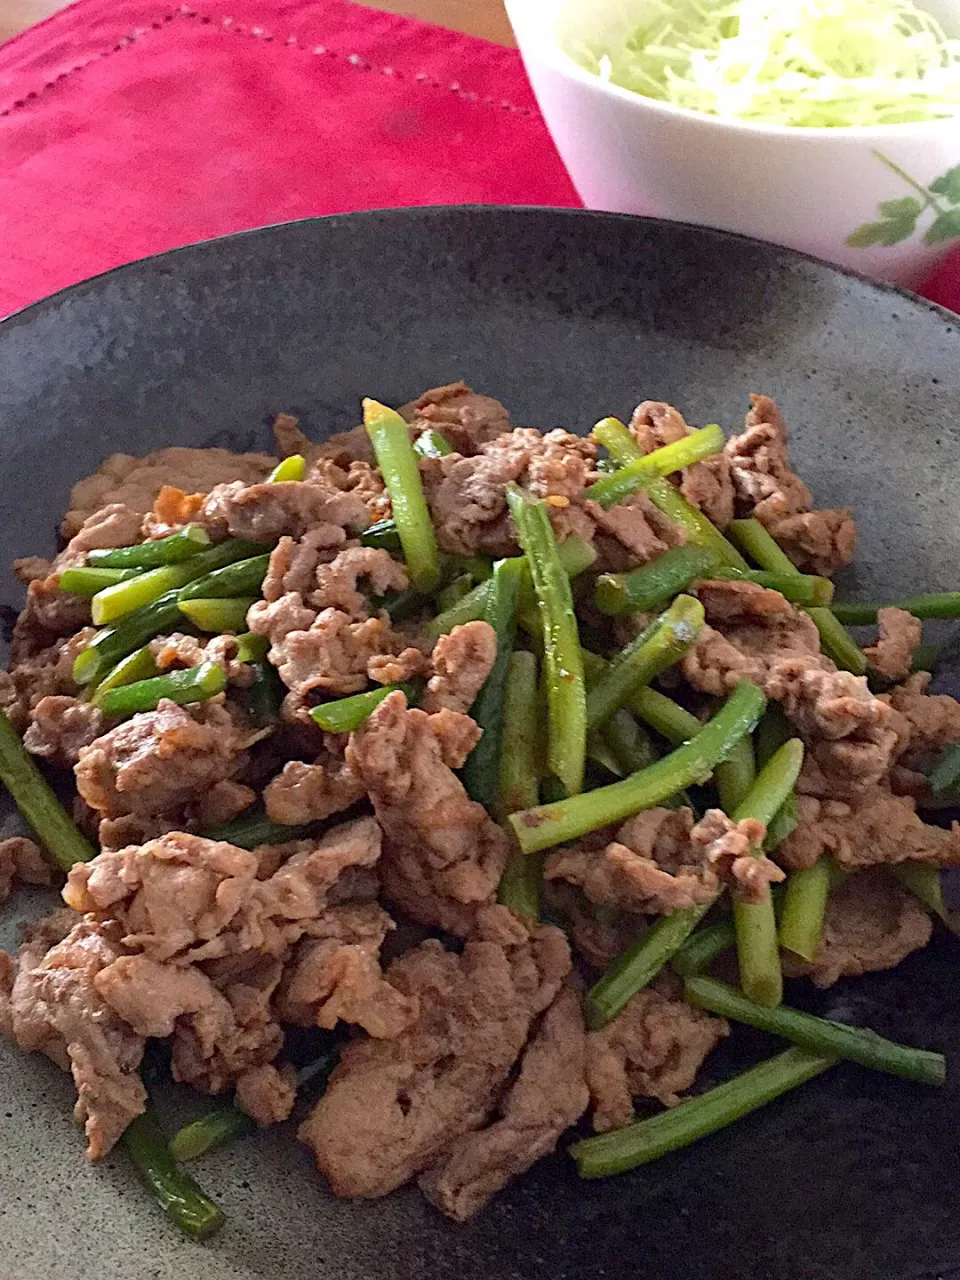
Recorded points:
(425, 212)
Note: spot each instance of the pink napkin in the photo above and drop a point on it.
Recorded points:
(132, 126)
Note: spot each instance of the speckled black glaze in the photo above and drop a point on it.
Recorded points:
(565, 316)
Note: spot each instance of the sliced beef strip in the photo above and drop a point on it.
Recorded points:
(924, 720)
(632, 532)
(873, 828)
(220, 1030)
(48, 615)
(224, 801)
(160, 760)
(393, 1107)
(734, 852)
(549, 1095)
(60, 727)
(266, 511)
(755, 634)
(170, 894)
(660, 862)
(653, 1049)
(467, 496)
(302, 793)
(332, 654)
(182, 897)
(335, 974)
(598, 933)
(443, 854)
(336, 584)
(135, 482)
(465, 420)
(294, 561)
(266, 1093)
(324, 460)
(872, 922)
(43, 672)
(707, 485)
(769, 489)
(651, 866)
(461, 661)
(22, 860)
(900, 634)
(54, 1007)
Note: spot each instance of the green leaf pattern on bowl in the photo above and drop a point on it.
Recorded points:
(899, 218)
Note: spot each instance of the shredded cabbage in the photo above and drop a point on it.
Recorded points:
(822, 63)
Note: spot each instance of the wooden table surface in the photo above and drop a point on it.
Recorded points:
(477, 17)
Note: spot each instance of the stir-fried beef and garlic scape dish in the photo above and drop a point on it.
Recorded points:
(472, 781)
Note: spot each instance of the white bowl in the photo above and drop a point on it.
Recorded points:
(811, 189)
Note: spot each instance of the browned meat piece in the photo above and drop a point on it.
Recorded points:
(874, 827)
(734, 851)
(220, 1030)
(266, 1093)
(388, 668)
(335, 973)
(559, 465)
(467, 495)
(928, 719)
(117, 833)
(41, 673)
(336, 582)
(266, 511)
(599, 934)
(28, 568)
(462, 660)
(294, 562)
(761, 637)
(633, 532)
(159, 760)
(900, 634)
(186, 898)
(818, 541)
(393, 1107)
(288, 437)
(443, 852)
(660, 862)
(277, 618)
(135, 482)
(457, 735)
(170, 894)
(332, 654)
(549, 1095)
(224, 801)
(360, 479)
(651, 866)
(466, 420)
(766, 485)
(769, 489)
(22, 859)
(467, 502)
(60, 726)
(47, 615)
(303, 793)
(113, 525)
(707, 485)
(871, 922)
(653, 1049)
(54, 1007)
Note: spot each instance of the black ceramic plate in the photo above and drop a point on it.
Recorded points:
(564, 316)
